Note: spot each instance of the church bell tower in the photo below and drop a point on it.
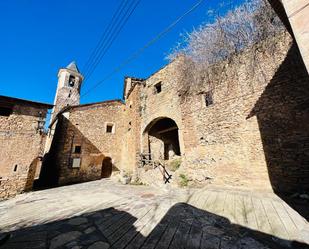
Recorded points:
(68, 89)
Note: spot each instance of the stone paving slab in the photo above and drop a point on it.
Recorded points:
(105, 214)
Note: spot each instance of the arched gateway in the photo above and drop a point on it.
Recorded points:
(161, 139)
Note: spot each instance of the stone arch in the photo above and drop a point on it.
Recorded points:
(33, 173)
(107, 167)
(161, 139)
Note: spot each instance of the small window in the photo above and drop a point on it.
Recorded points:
(71, 81)
(5, 111)
(77, 149)
(109, 128)
(209, 98)
(158, 87)
(15, 168)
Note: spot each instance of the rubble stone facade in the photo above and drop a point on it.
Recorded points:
(21, 144)
(255, 134)
(87, 127)
(239, 128)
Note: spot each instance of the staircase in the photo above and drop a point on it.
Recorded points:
(145, 159)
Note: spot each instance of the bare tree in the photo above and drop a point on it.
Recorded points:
(239, 29)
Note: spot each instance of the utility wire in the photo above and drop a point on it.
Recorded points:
(109, 27)
(115, 26)
(141, 50)
(110, 40)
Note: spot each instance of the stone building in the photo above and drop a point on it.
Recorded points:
(21, 143)
(241, 126)
(245, 129)
(88, 142)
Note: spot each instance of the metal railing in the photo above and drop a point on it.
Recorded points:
(145, 159)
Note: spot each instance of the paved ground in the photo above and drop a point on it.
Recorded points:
(104, 214)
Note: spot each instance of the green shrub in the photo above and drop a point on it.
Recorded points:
(183, 180)
(137, 182)
(174, 165)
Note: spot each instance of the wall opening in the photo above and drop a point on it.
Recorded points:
(77, 149)
(163, 139)
(208, 98)
(109, 128)
(107, 167)
(72, 81)
(158, 87)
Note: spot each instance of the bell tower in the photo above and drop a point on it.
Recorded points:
(68, 89)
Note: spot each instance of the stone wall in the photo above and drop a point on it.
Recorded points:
(254, 134)
(21, 144)
(131, 139)
(246, 137)
(85, 126)
(165, 104)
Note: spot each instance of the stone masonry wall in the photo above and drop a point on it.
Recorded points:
(131, 139)
(164, 104)
(254, 135)
(246, 138)
(85, 126)
(20, 146)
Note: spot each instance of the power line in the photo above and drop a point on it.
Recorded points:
(115, 26)
(141, 50)
(105, 33)
(111, 38)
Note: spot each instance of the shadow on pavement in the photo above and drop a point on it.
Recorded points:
(183, 226)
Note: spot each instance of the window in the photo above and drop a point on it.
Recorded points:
(15, 168)
(77, 149)
(208, 98)
(71, 80)
(109, 128)
(5, 111)
(158, 87)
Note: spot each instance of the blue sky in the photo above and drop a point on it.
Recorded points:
(41, 36)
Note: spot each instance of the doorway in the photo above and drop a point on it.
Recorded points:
(107, 167)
